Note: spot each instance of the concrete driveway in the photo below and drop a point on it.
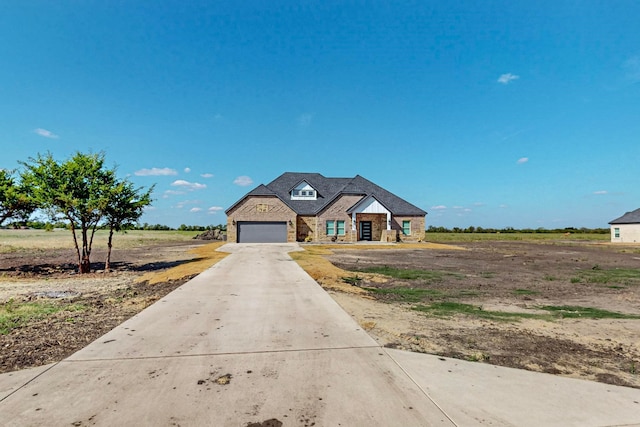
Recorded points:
(255, 341)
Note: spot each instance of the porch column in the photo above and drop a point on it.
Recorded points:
(388, 220)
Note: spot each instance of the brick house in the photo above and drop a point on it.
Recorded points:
(626, 229)
(310, 207)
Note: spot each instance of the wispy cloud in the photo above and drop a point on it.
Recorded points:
(507, 78)
(600, 192)
(187, 170)
(522, 160)
(184, 203)
(195, 209)
(214, 209)
(304, 120)
(632, 69)
(170, 193)
(243, 181)
(206, 175)
(45, 133)
(156, 172)
(438, 208)
(191, 186)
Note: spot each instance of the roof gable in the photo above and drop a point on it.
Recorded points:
(328, 189)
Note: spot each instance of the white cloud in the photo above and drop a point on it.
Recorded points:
(504, 206)
(156, 172)
(187, 170)
(195, 209)
(191, 186)
(478, 204)
(304, 120)
(45, 133)
(507, 78)
(522, 160)
(599, 192)
(243, 181)
(206, 175)
(438, 208)
(214, 209)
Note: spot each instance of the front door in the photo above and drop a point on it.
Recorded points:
(365, 230)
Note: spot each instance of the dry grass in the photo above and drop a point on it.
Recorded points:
(206, 256)
(18, 240)
(313, 260)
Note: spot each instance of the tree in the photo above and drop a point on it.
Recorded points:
(77, 190)
(125, 206)
(14, 199)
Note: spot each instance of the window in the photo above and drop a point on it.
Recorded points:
(406, 227)
(616, 233)
(303, 194)
(340, 227)
(331, 229)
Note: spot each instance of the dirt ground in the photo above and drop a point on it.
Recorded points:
(107, 299)
(497, 276)
(509, 277)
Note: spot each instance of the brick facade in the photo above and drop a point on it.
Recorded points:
(257, 208)
(417, 228)
(314, 228)
(337, 211)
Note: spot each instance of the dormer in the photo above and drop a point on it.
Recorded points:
(304, 191)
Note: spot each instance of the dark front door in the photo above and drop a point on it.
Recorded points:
(365, 230)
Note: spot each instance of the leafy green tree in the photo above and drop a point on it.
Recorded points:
(76, 190)
(15, 202)
(125, 206)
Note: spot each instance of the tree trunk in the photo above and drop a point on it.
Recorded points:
(107, 263)
(75, 242)
(85, 264)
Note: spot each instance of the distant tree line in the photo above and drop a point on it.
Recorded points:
(472, 229)
(80, 193)
(50, 226)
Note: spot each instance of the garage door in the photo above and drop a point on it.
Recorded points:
(262, 232)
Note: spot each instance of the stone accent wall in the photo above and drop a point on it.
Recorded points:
(378, 224)
(257, 208)
(337, 211)
(417, 228)
(306, 229)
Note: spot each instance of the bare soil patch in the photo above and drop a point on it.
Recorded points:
(522, 278)
(100, 301)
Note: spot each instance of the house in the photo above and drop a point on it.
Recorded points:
(626, 229)
(311, 207)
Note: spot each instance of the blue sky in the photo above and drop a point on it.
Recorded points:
(483, 113)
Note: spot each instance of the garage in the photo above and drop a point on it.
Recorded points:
(262, 232)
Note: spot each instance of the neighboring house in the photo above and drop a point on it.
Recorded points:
(311, 207)
(626, 229)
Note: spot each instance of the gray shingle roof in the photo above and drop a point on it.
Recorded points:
(328, 189)
(632, 217)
